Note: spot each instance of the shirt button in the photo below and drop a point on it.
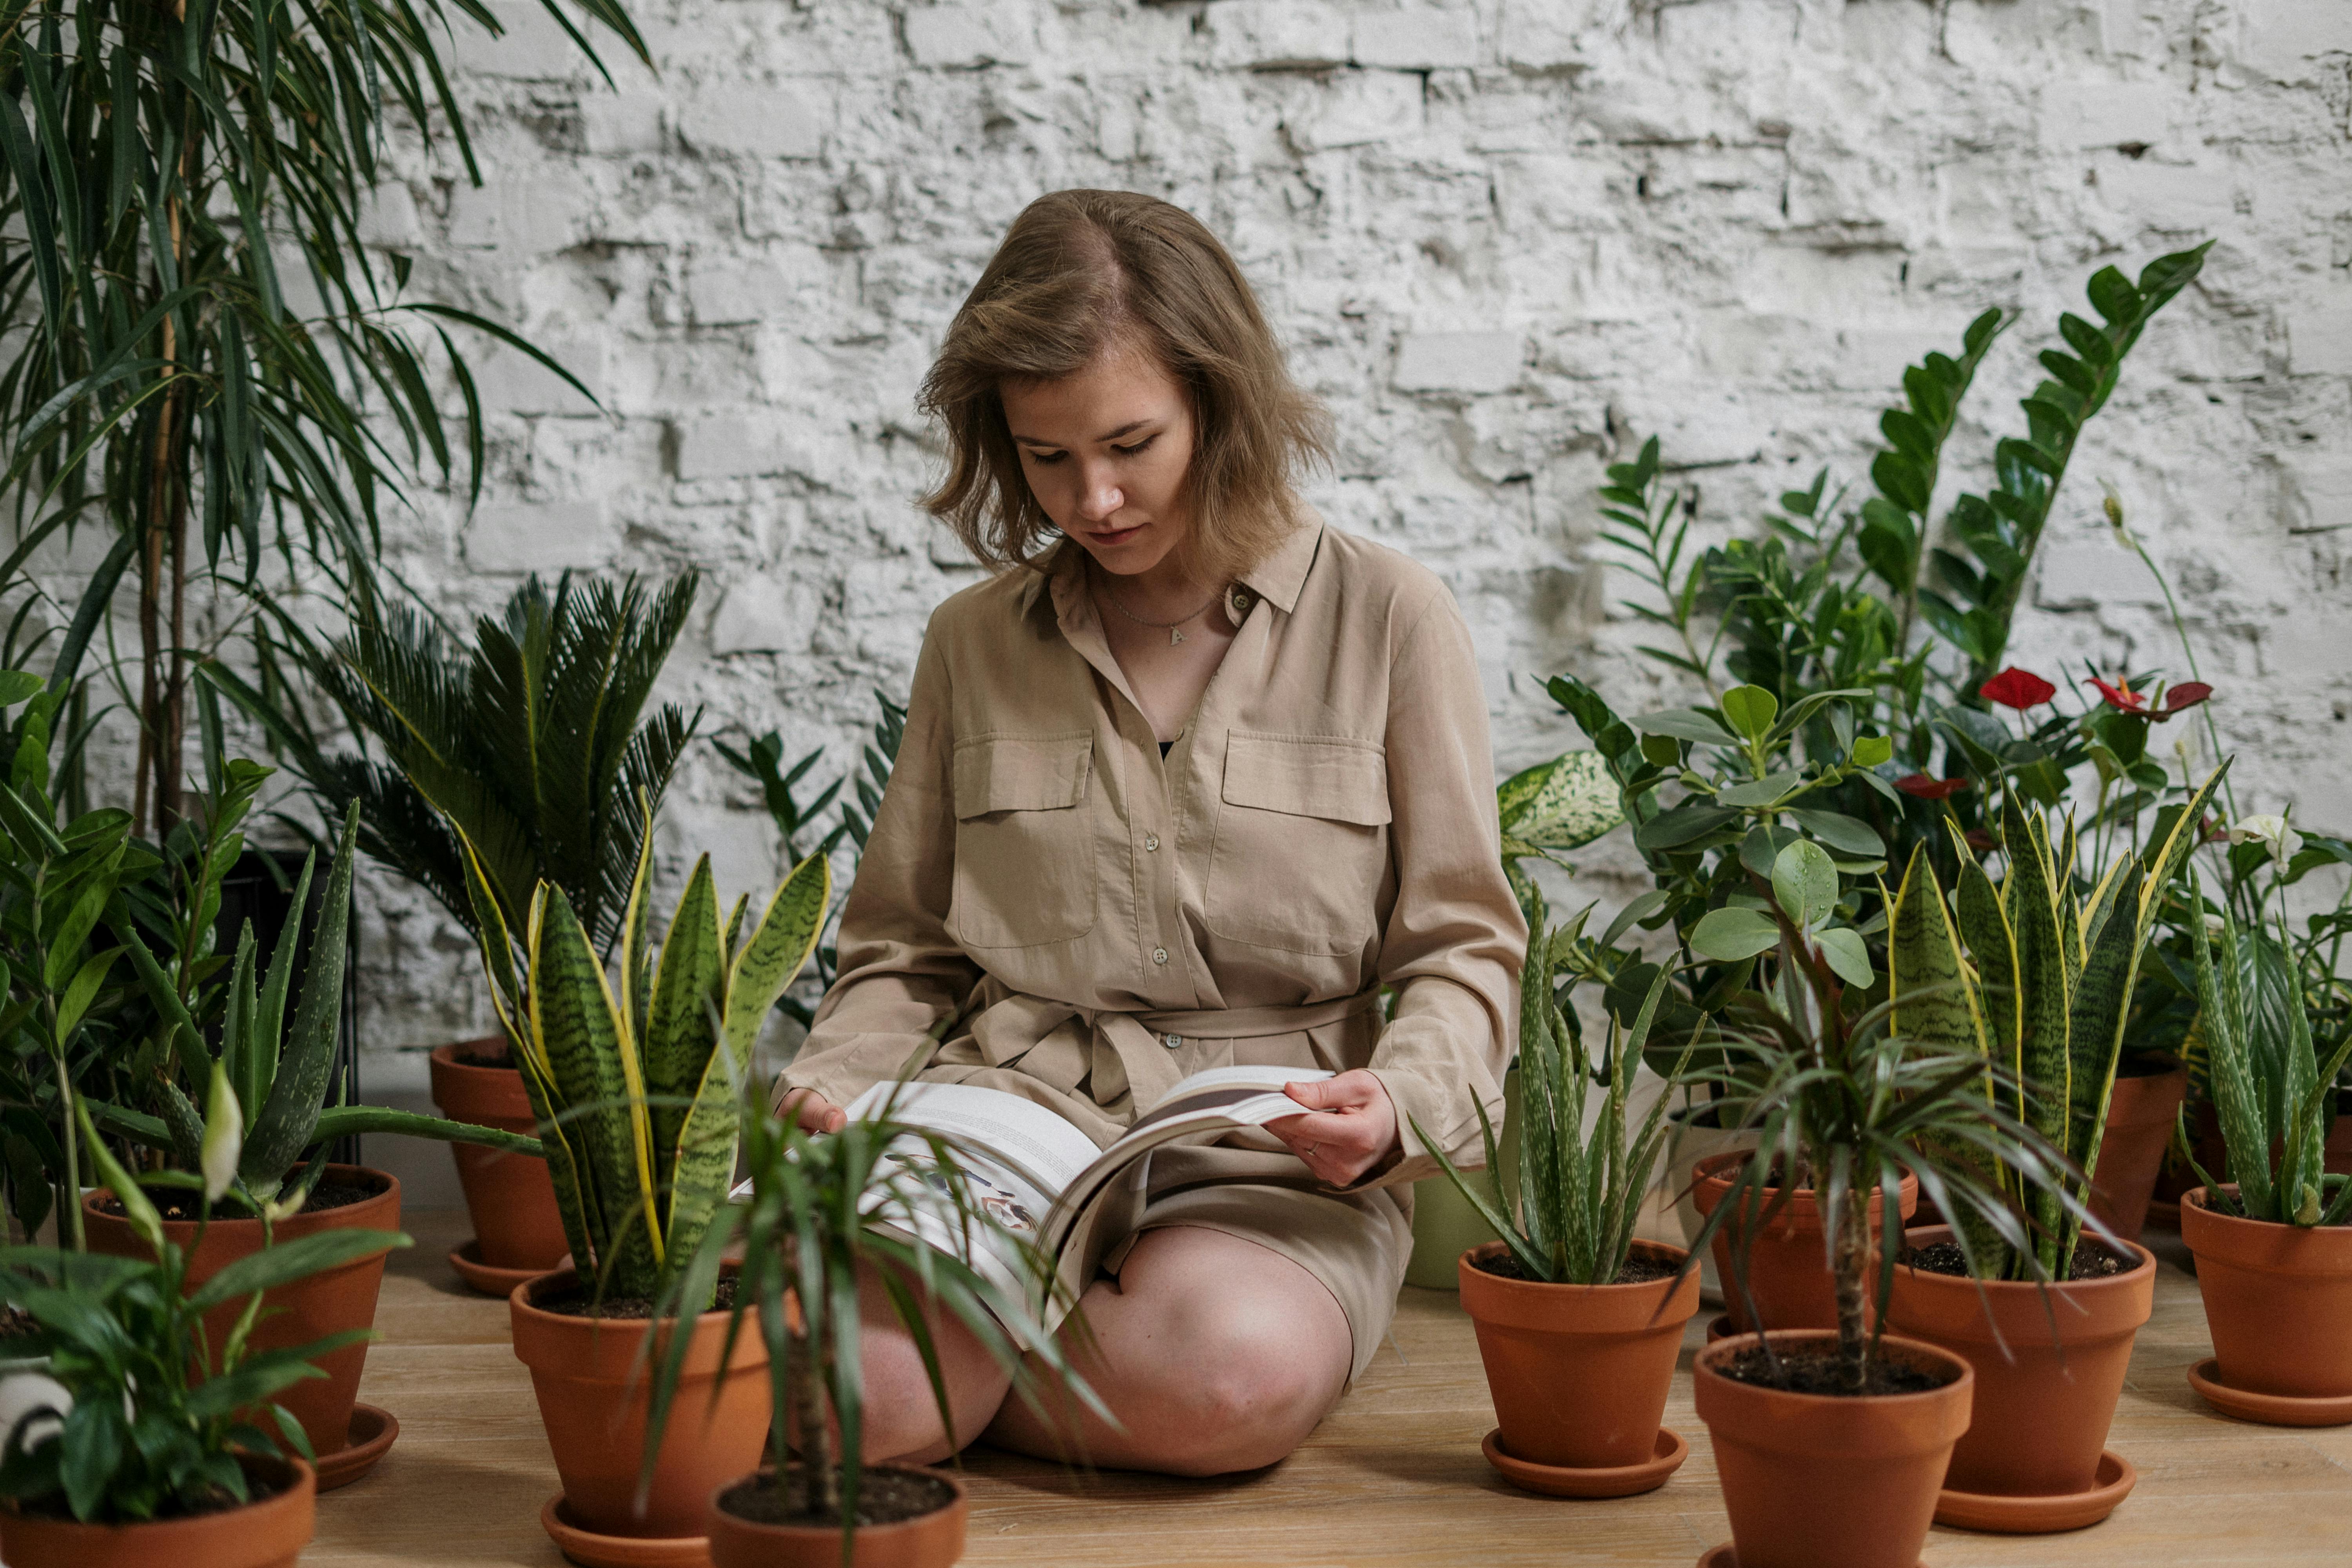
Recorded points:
(1159, 956)
(1171, 1041)
(1152, 841)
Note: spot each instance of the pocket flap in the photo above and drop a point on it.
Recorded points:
(1339, 780)
(1021, 772)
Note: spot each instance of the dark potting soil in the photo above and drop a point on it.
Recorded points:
(1812, 1369)
(2093, 1259)
(571, 1300)
(2145, 1067)
(884, 1496)
(484, 1059)
(1634, 1270)
(215, 1499)
(174, 1204)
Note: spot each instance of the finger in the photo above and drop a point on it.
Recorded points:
(1323, 1126)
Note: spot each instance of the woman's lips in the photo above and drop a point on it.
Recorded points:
(1116, 536)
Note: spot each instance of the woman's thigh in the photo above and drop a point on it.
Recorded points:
(1215, 1354)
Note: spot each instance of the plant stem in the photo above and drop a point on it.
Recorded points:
(73, 1158)
(808, 1421)
(1853, 1262)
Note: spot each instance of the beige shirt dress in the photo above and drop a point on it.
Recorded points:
(1091, 923)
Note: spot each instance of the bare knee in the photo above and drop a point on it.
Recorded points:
(900, 1414)
(1245, 1400)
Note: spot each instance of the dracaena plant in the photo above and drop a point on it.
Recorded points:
(528, 743)
(2033, 978)
(278, 1066)
(147, 1416)
(823, 1211)
(634, 1077)
(1571, 1219)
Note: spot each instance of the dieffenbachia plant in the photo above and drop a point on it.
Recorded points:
(1549, 809)
(634, 1085)
(2036, 979)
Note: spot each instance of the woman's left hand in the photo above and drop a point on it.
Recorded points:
(1351, 1127)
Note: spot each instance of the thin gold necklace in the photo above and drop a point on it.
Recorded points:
(1174, 635)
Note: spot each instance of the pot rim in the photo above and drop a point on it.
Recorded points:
(2244, 1243)
(1670, 1254)
(1725, 1349)
(519, 1299)
(181, 1229)
(444, 1056)
(962, 1497)
(1938, 1279)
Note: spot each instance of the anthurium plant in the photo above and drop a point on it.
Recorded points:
(635, 1078)
(146, 1417)
(1569, 1216)
(2035, 978)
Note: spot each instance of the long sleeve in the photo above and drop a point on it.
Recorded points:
(1455, 940)
(900, 972)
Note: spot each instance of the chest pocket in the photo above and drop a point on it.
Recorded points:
(1024, 853)
(1302, 844)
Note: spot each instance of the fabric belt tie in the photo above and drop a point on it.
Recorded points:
(1063, 1044)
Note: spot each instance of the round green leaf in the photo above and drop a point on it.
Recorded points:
(1805, 881)
(1846, 956)
(1729, 935)
(1751, 710)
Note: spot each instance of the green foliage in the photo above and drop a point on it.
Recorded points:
(529, 742)
(154, 1415)
(1572, 1219)
(823, 1211)
(156, 164)
(635, 1078)
(1550, 808)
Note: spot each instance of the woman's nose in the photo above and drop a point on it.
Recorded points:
(1098, 495)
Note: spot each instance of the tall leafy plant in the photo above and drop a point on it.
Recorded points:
(635, 1077)
(203, 359)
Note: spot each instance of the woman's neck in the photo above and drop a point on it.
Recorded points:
(1161, 593)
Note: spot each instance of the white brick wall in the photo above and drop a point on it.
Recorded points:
(1502, 236)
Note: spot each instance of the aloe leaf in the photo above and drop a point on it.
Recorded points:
(269, 1012)
(298, 1090)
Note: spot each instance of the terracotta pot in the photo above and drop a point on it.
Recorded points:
(1788, 1271)
(933, 1540)
(593, 1397)
(2278, 1299)
(2049, 1367)
(1693, 1136)
(270, 1533)
(1579, 1374)
(2141, 1115)
(1817, 1481)
(325, 1303)
(509, 1196)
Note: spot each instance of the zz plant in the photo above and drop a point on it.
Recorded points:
(635, 1078)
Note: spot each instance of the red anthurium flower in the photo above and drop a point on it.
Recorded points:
(2120, 696)
(1922, 787)
(1978, 840)
(2018, 688)
(2181, 698)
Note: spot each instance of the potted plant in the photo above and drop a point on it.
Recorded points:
(161, 1441)
(535, 745)
(2033, 975)
(820, 1213)
(278, 1066)
(1579, 1324)
(634, 1081)
(2273, 1249)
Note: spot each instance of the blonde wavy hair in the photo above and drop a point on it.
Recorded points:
(1083, 272)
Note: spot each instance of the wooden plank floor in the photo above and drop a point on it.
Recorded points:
(1394, 1476)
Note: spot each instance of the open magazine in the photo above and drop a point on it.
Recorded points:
(1046, 1181)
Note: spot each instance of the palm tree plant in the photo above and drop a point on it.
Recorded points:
(202, 356)
(634, 1081)
(528, 746)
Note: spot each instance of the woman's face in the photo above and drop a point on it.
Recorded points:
(1106, 451)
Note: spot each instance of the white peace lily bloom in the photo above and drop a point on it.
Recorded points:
(2273, 830)
(2214, 924)
(224, 1141)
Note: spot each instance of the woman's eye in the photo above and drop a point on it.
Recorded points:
(1140, 445)
(1045, 459)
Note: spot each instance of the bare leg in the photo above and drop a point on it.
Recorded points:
(901, 1414)
(1216, 1355)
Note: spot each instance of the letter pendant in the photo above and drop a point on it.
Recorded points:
(1175, 636)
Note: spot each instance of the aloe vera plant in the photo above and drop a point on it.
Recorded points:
(2036, 978)
(1570, 1220)
(634, 1081)
(278, 1068)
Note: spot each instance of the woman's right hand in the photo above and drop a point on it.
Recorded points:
(815, 1111)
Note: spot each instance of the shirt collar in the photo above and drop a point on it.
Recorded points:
(1277, 579)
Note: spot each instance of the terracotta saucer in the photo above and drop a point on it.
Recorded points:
(2006, 1515)
(591, 1550)
(1610, 1480)
(370, 1435)
(2163, 1214)
(2270, 1409)
(487, 1277)
(1723, 1557)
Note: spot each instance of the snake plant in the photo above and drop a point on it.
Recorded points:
(634, 1081)
(2037, 978)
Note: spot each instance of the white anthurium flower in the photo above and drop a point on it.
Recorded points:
(224, 1141)
(2282, 840)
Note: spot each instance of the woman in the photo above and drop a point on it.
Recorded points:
(1182, 789)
